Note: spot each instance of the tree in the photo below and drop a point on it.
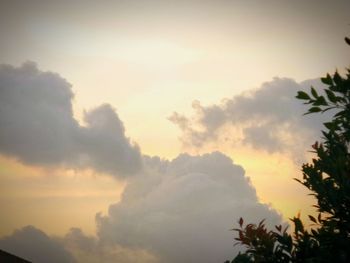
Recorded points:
(328, 179)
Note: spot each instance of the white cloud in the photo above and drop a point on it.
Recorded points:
(37, 125)
(182, 210)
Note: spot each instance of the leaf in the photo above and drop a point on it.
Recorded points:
(296, 179)
(261, 223)
(312, 219)
(347, 40)
(327, 80)
(313, 110)
(240, 222)
(315, 145)
(314, 92)
(329, 125)
(303, 95)
(298, 224)
(337, 78)
(321, 101)
(327, 109)
(340, 113)
(241, 236)
(331, 96)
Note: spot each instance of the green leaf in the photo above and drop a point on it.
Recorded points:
(337, 78)
(321, 101)
(302, 95)
(331, 96)
(313, 110)
(340, 113)
(329, 125)
(327, 80)
(327, 109)
(314, 93)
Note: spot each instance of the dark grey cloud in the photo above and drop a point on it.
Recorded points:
(38, 127)
(34, 245)
(269, 118)
(182, 210)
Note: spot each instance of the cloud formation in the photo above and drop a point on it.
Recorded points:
(38, 127)
(182, 210)
(34, 245)
(173, 211)
(268, 118)
(88, 249)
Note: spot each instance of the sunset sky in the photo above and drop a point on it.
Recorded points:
(140, 131)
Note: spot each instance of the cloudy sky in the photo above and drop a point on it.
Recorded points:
(140, 131)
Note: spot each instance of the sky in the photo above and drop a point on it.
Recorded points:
(132, 130)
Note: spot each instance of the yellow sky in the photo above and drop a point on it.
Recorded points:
(54, 200)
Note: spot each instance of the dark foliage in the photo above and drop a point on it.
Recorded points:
(328, 179)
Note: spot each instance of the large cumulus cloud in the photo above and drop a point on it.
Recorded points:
(171, 211)
(38, 127)
(268, 118)
(34, 245)
(182, 210)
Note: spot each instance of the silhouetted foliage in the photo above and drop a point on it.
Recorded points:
(328, 179)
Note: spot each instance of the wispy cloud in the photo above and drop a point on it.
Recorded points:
(268, 118)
